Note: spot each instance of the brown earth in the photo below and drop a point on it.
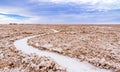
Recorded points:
(97, 44)
(13, 60)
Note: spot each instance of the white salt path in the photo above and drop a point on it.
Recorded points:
(55, 31)
(71, 64)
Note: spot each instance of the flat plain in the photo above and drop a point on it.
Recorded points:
(98, 45)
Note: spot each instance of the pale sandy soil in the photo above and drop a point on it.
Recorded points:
(99, 45)
(95, 44)
(13, 60)
(71, 64)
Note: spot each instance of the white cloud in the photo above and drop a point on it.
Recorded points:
(63, 19)
(14, 10)
(32, 20)
(92, 4)
(82, 1)
(6, 20)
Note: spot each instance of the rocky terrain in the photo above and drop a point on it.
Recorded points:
(13, 60)
(96, 44)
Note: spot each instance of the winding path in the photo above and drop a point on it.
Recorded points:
(72, 65)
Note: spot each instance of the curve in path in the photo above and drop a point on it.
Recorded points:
(71, 64)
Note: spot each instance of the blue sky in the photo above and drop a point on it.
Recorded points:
(60, 11)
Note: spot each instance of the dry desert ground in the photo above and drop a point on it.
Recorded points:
(98, 45)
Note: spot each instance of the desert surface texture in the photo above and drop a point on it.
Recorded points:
(59, 48)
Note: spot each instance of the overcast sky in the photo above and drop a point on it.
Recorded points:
(59, 11)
